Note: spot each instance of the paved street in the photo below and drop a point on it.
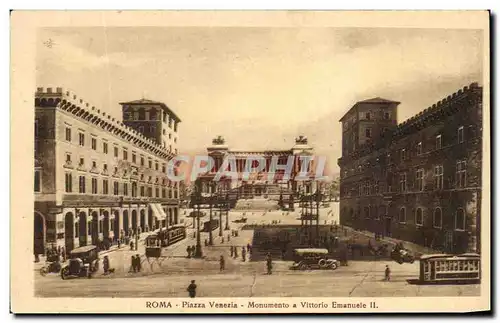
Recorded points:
(243, 279)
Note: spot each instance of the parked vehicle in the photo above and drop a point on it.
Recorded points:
(53, 265)
(312, 258)
(401, 255)
(83, 262)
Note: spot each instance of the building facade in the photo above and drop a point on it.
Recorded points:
(96, 178)
(258, 185)
(417, 181)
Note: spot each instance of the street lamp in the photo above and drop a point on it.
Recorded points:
(210, 238)
(226, 207)
(219, 201)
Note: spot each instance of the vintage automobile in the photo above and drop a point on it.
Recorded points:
(311, 258)
(83, 262)
(401, 255)
(53, 265)
(240, 220)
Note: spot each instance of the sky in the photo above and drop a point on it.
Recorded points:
(259, 88)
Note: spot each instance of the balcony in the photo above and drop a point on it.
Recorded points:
(68, 164)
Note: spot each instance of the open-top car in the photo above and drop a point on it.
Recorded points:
(313, 258)
(83, 262)
(401, 255)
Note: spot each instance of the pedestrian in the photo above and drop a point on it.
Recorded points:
(269, 264)
(63, 252)
(243, 254)
(232, 251)
(222, 263)
(131, 245)
(132, 265)
(138, 259)
(248, 247)
(119, 243)
(206, 243)
(387, 273)
(222, 240)
(188, 250)
(105, 265)
(235, 252)
(228, 238)
(192, 289)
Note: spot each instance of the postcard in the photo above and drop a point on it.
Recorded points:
(250, 162)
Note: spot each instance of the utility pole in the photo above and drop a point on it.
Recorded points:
(210, 238)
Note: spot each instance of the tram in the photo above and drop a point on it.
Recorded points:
(210, 225)
(444, 267)
(163, 238)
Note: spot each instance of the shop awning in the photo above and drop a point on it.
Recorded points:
(158, 211)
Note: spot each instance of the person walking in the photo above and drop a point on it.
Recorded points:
(63, 252)
(232, 251)
(235, 252)
(243, 254)
(131, 245)
(133, 267)
(188, 250)
(222, 263)
(105, 265)
(228, 237)
(269, 264)
(138, 262)
(192, 289)
(387, 273)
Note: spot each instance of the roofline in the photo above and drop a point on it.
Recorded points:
(163, 105)
(363, 102)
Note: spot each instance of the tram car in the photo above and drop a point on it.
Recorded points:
(210, 225)
(456, 268)
(164, 238)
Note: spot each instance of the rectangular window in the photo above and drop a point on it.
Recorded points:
(125, 154)
(368, 116)
(163, 168)
(37, 185)
(438, 177)
(419, 149)
(134, 189)
(150, 191)
(105, 167)
(402, 182)
(68, 134)
(368, 132)
(115, 188)
(420, 180)
(460, 220)
(94, 164)
(169, 193)
(68, 158)
(134, 157)
(175, 194)
(461, 176)
(150, 163)
(81, 184)
(402, 215)
(163, 193)
(94, 143)
(68, 180)
(125, 189)
(82, 162)
(142, 161)
(142, 190)
(461, 135)
(116, 151)
(105, 147)
(156, 165)
(387, 115)
(94, 185)
(438, 142)
(81, 139)
(105, 187)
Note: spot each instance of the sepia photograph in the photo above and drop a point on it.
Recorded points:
(257, 162)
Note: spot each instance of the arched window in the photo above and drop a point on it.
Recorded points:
(438, 218)
(402, 215)
(419, 217)
(460, 219)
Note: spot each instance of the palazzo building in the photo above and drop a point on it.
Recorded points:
(417, 181)
(97, 177)
(257, 185)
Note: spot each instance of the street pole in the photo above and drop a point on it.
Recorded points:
(226, 207)
(210, 238)
(198, 252)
